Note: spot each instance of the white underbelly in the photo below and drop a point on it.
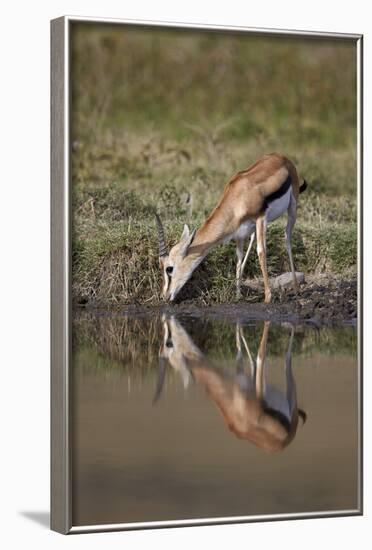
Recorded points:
(277, 401)
(244, 231)
(278, 207)
(274, 210)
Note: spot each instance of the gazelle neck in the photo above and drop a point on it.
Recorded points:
(213, 231)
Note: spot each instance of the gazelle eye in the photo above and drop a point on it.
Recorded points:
(169, 270)
(169, 344)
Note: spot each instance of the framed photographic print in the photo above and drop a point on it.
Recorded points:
(206, 291)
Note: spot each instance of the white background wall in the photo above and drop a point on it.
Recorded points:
(24, 219)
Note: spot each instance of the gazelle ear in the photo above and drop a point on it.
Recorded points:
(186, 232)
(186, 239)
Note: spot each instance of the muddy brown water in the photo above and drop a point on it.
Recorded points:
(182, 456)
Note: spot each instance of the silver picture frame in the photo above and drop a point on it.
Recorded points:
(61, 308)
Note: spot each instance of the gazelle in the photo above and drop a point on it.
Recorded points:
(251, 409)
(252, 198)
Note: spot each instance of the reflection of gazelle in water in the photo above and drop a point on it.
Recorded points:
(252, 410)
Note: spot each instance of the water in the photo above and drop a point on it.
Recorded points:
(183, 418)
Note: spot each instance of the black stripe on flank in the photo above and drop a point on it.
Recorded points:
(277, 415)
(278, 193)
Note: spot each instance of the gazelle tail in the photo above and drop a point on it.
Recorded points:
(303, 187)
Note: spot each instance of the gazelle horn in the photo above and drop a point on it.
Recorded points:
(163, 251)
(161, 378)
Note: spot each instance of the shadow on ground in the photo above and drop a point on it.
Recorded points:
(42, 518)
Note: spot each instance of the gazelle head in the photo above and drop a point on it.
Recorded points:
(176, 264)
(175, 350)
(177, 345)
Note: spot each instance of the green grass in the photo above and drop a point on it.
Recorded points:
(161, 120)
(251, 87)
(120, 265)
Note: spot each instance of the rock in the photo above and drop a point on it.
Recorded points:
(285, 280)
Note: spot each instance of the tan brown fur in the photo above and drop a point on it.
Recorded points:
(242, 412)
(243, 200)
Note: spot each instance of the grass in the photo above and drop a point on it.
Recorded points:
(161, 120)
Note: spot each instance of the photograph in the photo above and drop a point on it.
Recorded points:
(213, 260)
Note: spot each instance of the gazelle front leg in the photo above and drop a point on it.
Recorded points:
(239, 270)
(244, 381)
(239, 354)
(241, 264)
(240, 333)
(248, 251)
(261, 251)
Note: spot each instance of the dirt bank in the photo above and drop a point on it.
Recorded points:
(321, 301)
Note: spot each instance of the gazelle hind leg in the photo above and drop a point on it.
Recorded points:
(292, 211)
(291, 385)
(261, 362)
(261, 252)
